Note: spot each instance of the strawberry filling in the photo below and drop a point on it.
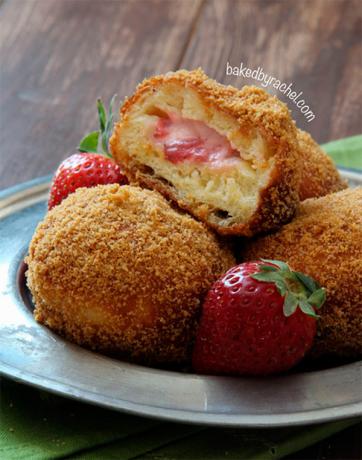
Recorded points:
(186, 140)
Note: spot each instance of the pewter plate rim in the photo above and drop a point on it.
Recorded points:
(32, 354)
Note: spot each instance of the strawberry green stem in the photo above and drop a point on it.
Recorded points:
(298, 289)
(98, 141)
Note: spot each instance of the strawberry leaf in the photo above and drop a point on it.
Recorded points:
(89, 143)
(111, 104)
(268, 268)
(275, 278)
(278, 263)
(306, 308)
(317, 298)
(282, 287)
(307, 281)
(290, 304)
(269, 277)
(101, 115)
(107, 131)
(104, 143)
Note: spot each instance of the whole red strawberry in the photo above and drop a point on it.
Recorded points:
(83, 170)
(257, 319)
(88, 168)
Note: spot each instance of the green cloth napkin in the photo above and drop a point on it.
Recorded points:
(346, 152)
(35, 425)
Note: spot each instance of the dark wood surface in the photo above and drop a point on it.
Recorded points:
(58, 56)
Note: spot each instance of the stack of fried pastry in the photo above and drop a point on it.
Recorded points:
(228, 162)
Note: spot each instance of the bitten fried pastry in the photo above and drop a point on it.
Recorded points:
(227, 156)
(118, 270)
(324, 241)
(319, 176)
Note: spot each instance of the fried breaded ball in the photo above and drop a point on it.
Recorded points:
(324, 241)
(228, 156)
(116, 269)
(319, 176)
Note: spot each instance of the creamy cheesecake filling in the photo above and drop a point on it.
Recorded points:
(176, 141)
(186, 140)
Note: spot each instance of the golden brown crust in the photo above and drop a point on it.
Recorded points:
(253, 108)
(118, 270)
(319, 174)
(325, 241)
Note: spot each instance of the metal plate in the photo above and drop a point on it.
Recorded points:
(33, 354)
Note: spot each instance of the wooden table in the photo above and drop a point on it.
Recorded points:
(58, 56)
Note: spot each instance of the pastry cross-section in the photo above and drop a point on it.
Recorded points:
(227, 156)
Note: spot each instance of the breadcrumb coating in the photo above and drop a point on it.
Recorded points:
(319, 174)
(116, 269)
(324, 241)
(255, 111)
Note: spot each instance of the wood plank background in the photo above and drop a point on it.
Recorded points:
(58, 56)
